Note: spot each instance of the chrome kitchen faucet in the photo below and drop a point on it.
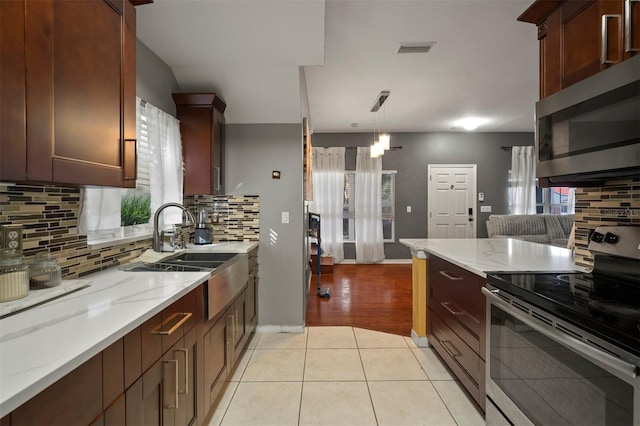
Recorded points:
(158, 236)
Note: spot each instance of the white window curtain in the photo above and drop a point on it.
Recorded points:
(100, 208)
(523, 180)
(369, 236)
(328, 199)
(571, 202)
(165, 162)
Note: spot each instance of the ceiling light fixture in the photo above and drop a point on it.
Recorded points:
(470, 123)
(380, 100)
(381, 143)
(385, 141)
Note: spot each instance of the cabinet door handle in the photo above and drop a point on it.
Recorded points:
(604, 39)
(448, 275)
(447, 305)
(218, 178)
(129, 159)
(628, 44)
(170, 391)
(185, 382)
(185, 316)
(453, 352)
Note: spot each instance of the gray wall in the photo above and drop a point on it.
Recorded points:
(419, 150)
(155, 81)
(252, 152)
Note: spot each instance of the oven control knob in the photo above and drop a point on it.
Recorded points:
(611, 238)
(597, 237)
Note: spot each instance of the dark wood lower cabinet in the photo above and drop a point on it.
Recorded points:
(456, 323)
(166, 393)
(135, 382)
(144, 398)
(115, 415)
(216, 359)
(73, 400)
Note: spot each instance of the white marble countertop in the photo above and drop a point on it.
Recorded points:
(482, 255)
(42, 344)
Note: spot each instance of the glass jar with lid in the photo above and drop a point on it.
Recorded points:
(14, 276)
(44, 271)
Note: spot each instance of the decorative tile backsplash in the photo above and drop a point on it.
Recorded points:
(616, 203)
(49, 216)
(233, 217)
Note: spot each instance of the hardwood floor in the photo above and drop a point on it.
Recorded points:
(375, 297)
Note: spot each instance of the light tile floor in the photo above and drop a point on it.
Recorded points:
(341, 376)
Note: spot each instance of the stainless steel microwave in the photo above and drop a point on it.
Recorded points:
(590, 131)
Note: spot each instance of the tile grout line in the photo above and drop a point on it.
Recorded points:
(226, 409)
(366, 380)
(304, 368)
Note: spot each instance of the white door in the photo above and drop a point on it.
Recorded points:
(451, 201)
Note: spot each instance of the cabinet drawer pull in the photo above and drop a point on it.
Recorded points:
(604, 39)
(170, 391)
(447, 306)
(628, 44)
(185, 316)
(454, 353)
(451, 277)
(185, 382)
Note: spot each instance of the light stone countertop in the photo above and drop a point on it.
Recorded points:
(482, 255)
(42, 344)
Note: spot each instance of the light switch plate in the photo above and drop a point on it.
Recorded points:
(285, 217)
(481, 196)
(485, 209)
(408, 209)
(11, 237)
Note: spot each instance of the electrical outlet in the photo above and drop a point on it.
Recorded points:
(11, 237)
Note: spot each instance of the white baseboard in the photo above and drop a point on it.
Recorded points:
(280, 329)
(384, 262)
(420, 341)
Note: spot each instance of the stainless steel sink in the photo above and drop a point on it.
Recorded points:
(185, 262)
(163, 267)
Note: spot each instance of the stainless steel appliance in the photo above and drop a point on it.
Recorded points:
(202, 233)
(564, 348)
(590, 131)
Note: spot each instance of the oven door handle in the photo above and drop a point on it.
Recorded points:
(591, 352)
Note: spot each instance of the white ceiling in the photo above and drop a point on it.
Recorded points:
(484, 62)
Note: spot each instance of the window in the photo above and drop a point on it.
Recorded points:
(552, 200)
(135, 207)
(388, 206)
(548, 200)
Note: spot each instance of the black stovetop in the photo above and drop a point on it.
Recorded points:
(606, 307)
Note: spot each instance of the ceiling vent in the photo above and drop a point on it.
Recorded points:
(421, 47)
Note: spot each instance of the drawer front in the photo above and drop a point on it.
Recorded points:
(458, 291)
(451, 315)
(454, 348)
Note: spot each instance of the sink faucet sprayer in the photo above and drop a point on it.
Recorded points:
(158, 235)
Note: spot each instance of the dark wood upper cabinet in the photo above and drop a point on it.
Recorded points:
(69, 113)
(580, 38)
(201, 118)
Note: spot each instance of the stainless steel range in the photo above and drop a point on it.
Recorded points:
(564, 349)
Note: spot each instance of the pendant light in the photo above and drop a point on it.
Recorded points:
(383, 142)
